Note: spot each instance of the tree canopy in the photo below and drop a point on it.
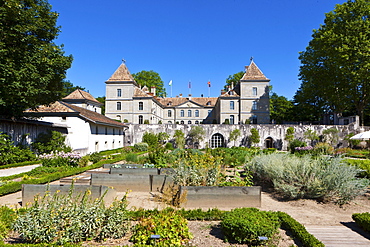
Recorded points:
(233, 79)
(32, 67)
(150, 79)
(280, 108)
(68, 88)
(335, 65)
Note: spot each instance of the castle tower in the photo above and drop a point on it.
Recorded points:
(120, 89)
(253, 89)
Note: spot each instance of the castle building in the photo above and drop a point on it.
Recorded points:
(247, 102)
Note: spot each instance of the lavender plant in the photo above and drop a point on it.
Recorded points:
(317, 177)
(61, 158)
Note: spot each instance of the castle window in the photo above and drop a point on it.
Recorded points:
(254, 106)
(209, 103)
(119, 106)
(169, 103)
(169, 113)
(189, 113)
(189, 122)
(169, 122)
(196, 113)
(141, 106)
(119, 93)
(182, 122)
(196, 122)
(254, 91)
(141, 119)
(182, 113)
(232, 105)
(232, 119)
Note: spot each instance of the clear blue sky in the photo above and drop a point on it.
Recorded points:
(188, 40)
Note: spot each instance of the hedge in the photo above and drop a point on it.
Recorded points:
(24, 163)
(298, 230)
(363, 220)
(13, 187)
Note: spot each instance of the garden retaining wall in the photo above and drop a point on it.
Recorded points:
(221, 197)
(30, 191)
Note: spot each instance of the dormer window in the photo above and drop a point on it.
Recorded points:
(169, 103)
(231, 92)
(208, 103)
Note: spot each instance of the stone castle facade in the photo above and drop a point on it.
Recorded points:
(248, 102)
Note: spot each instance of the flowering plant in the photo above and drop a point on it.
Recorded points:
(60, 159)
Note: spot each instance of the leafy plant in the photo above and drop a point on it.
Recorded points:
(296, 143)
(51, 141)
(255, 136)
(141, 146)
(11, 154)
(321, 177)
(179, 137)
(171, 228)
(63, 219)
(245, 225)
(7, 217)
(363, 220)
(60, 159)
(289, 136)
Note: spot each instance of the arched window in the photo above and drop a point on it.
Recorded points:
(189, 113)
(141, 106)
(232, 119)
(182, 122)
(196, 113)
(118, 117)
(169, 122)
(119, 106)
(196, 122)
(217, 141)
(189, 122)
(141, 119)
(182, 113)
(232, 105)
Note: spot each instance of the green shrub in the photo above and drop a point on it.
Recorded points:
(51, 141)
(363, 220)
(24, 163)
(170, 226)
(131, 157)
(245, 225)
(10, 154)
(296, 143)
(7, 217)
(63, 219)
(321, 177)
(362, 164)
(298, 230)
(141, 146)
(323, 148)
(169, 146)
(95, 157)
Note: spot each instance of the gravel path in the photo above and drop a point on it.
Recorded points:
(17, 170)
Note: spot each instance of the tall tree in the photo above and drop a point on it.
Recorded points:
(150, 79)
(280, 108)
(32, 67)
(68, 88)
(335, 66)
(233, 79)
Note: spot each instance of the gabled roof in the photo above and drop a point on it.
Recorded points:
(60, 107)
(79, 94)
(140, 93)
(228, 94)
(121, 74)
(252, 72)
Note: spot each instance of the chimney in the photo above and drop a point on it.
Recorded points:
(189, 96)
(222, 91)
(152, 90)
(180, 95)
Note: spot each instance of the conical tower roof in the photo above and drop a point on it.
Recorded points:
(121, 74)
(252, 73)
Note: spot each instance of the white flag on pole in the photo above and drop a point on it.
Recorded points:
(170, 83)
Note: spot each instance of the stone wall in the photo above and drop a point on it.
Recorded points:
(271, 135)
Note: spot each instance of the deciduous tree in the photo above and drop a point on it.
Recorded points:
(32, 66)
(150, 79)
(233, 79)
(335, 65)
